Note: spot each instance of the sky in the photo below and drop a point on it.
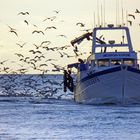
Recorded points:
(69, 13)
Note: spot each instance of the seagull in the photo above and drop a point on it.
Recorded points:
(63, 36)
(21, 70)
(35, 31)
(35, 25)
(137, 11)
(34, 66)
(21, 45)
(44, 42)
(26, 22)
(54, 70)
(56, 11)
(3, 62)
(43, 65)
(64, 47)
(46, 47)
(11, 28)
(50, 60)
(12, 31)
(130, 22)
(75, 52)
(131, 16)
(52, 49)
(67, 55)
(26, 58)
(37, 46)
(32, 60)
(34, 52)
(51, 27)
(23, 13)
(61, 55)
(50, 18)
(19, 55)
(5, 69)
(22, 60)
(81, 24)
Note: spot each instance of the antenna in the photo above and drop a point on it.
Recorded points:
(94, 20)
(123, 37)
(126, 18)
(122, 18)
(104, 13)
(122, 13)
(101, 16)
(116, 12)
(98, 17)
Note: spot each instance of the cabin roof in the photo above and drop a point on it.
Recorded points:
(116, 55)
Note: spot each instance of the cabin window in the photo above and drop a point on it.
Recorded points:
(103, 63)
(115, 62)
(128, 62)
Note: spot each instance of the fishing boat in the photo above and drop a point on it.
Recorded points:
(110, 75)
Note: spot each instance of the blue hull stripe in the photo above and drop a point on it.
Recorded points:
(101, 73)
(133, 70)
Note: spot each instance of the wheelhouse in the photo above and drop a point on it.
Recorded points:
(112, 52)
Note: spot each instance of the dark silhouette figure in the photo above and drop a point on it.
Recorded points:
(117, 63)
(68, 81)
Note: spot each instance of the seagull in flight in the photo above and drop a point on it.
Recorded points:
(50, 60)
(12, 31)
(56, 11)
(3, 62)
(34, 52)
(50, 18)
(61, 55)
(19, 55)
(23, 13)
(26, 22)
(130, 22)
(35, 31)
(137, 11)
(45, 42)
(131, 16)
(11, 28)
(51, 27)
(63, 36)
(81, 24)
(21, 45)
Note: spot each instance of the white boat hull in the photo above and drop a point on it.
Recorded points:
(119, 85)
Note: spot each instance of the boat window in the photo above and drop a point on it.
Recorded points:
(115, 62)
(128, 62)
(103, 63)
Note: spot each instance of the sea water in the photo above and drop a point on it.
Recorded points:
(53, 118)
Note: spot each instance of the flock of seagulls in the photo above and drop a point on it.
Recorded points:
(38, 61)
(32, 86)
(36, 58)
(23, 13)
